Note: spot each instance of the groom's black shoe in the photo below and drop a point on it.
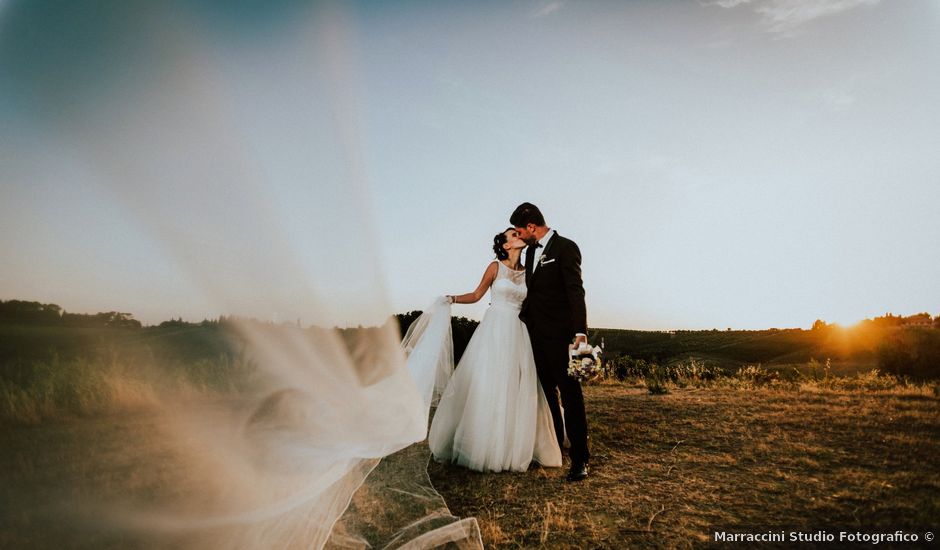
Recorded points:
(578, 471)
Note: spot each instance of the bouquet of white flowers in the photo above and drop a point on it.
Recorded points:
(584, 362)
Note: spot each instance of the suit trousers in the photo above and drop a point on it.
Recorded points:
(551, 364)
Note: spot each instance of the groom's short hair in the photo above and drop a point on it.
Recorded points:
(526, 213)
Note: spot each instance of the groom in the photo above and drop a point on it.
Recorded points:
(554, 314)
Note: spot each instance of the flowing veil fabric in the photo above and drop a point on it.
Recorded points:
(224, 143)
(400, 482)
(429, 347)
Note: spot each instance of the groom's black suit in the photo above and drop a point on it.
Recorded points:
(554, 312)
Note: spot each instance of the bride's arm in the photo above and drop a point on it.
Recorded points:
(473, 297)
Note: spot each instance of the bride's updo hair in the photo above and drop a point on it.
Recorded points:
(498, 241)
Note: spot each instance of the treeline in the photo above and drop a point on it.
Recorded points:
(900, 345)
(35, 313)
(21, 312)
(889, 320)
(461, 327)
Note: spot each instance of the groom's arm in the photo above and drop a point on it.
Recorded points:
(574, 287)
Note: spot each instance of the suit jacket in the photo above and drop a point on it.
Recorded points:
(554, 305)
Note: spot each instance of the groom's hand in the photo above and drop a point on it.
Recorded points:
(580, 339)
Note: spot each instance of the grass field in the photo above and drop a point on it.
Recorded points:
(50, 467)
(819, 447)
(668, 470)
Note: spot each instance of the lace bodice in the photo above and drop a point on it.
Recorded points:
(509, 287)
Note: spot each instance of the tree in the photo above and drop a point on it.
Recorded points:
(21, 311)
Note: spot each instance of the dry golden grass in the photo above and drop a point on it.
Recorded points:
(668, 470)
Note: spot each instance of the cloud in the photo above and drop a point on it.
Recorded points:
(784, 17)
(547, 8)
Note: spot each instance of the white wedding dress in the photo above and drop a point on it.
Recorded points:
(493, 415)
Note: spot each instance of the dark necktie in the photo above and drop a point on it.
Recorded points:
(530, 260)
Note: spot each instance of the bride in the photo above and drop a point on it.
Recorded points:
(493, 415)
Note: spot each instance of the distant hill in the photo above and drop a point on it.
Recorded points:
(897, 348)
(739, 346)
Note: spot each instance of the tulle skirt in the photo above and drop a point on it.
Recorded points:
(493, 415)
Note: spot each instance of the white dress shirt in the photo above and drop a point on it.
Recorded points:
(538, 251)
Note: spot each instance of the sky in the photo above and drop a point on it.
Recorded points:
(726, 163)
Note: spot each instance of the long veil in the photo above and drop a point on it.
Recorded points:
(222, 141)
(429, 347)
